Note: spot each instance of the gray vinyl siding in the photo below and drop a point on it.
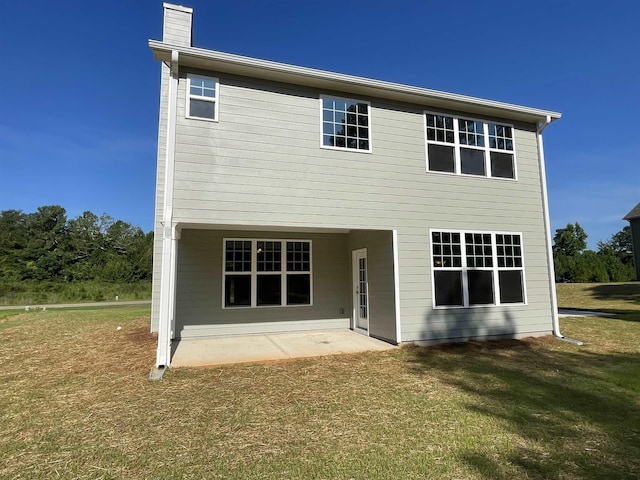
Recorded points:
(199, 299)
(261, 164)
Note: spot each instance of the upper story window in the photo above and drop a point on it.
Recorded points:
(469, 147)
(202, 99)
(346, 124)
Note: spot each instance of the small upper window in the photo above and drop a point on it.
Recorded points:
(203, 97)
(345, 124)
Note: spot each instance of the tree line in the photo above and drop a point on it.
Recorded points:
(46, 245)
(612, 262)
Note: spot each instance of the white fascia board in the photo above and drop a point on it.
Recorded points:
(268, 70)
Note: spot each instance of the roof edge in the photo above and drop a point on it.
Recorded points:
(633, 214)
(193, 56)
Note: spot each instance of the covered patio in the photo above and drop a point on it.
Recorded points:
(255, 284)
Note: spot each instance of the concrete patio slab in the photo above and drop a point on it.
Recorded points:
(212, 351)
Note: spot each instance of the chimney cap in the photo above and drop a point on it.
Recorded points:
(177, 7)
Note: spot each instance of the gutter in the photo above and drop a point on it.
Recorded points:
(547, 226)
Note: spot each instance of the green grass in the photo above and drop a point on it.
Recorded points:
(620, 299)
(76, 402)
(44, 293)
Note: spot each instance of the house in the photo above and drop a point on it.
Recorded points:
(294, 199)
(633, 217)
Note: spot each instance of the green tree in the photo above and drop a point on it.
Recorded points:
(44, 245)
(46, 252)
(620, 244)
(570, 241)
(13, 236)
(87, 246)
(617, 269)
(574, 263)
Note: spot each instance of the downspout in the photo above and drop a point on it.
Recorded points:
(169, 236)
(547, 227)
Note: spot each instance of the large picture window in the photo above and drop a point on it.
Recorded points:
(345, 124)
(469, 147)
(261, 273)
(477, 268)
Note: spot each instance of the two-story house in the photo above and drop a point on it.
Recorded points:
(293, 199)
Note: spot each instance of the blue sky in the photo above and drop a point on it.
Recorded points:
(79, 89)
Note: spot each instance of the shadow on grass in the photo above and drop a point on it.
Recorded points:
(628, 292)
(574, 414)
(626, 315)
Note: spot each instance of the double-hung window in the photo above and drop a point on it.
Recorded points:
(477, 268)
(346, 124)
(202, 101)
(260, 273)
(469, 147)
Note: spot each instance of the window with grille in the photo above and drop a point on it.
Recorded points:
(477, 268)
(469, 147)
(202, 97)
(260, 273)
(345, 124)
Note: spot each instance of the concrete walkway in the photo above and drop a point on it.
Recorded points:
(570, 312)
(264, 348)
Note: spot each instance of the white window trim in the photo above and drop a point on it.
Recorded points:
(457, 145)
(495, 270)
(254, 272)
(346, 149)
(215, 100)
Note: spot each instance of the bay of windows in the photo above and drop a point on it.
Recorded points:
(469, 147)
(260, 273)
(477, 268)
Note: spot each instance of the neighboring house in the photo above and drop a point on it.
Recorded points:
(634, 221)
(293, 199)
